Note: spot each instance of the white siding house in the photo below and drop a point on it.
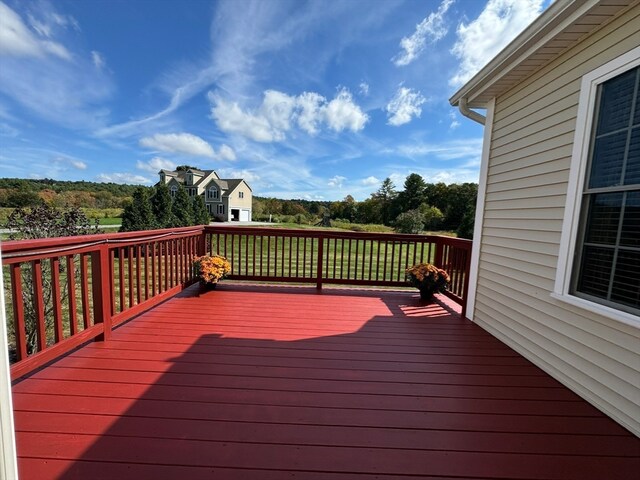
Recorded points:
(226, 199)
(556, 260)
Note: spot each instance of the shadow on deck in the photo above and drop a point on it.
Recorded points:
(264, 383)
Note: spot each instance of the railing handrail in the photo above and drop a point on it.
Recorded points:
(318, 233)
(10, 248)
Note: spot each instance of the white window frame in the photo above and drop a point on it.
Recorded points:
(240, 194)
(220, 210)
(579, 161)
(214, 195)
(173, 191)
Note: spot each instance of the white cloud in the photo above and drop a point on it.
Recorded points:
(226, 153)
(370, 181)
(454, 121)
(127, 178)
(98, 59)
(155, 165)
(17, 40)
(363, 88)
(231, 119)
(453, 150)
(185, 143)
(337, 181)
(279, 112)
(429, 30)
(405, 105)
(343, 114)
(249, 176)
(62, 161)
(78, 164)
(481, 40)
(309, 113)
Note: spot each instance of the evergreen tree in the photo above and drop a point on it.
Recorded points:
(182, 209)
(386, 196)
(138, 214)
(200, 214)
(161, 206)
(414, 193)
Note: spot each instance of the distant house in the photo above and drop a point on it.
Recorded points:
(556, 260)
(227, 199)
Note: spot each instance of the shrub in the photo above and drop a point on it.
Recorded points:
(409, 222)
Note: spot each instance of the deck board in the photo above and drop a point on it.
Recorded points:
(259, 382)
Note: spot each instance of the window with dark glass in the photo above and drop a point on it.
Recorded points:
(607, 267)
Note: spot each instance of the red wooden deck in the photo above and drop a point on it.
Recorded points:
(267, 383)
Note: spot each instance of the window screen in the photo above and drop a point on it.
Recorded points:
(608, 251)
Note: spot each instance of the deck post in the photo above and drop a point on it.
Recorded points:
(319, 272)
(101, 288)
(438, 259)
(202, 243)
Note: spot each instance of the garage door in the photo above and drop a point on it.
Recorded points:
(244, 215)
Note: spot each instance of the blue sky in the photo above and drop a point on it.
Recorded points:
(313, 100)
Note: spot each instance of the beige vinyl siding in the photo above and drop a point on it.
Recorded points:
(527, 181)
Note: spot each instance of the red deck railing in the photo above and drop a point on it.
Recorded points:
(347, 258)
(67, 291)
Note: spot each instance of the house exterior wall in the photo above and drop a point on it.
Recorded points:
(238, 202)
(532, 135)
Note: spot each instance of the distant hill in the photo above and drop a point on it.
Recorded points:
(37, 185)
(21, 192)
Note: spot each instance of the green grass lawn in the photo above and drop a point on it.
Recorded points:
(110, 221)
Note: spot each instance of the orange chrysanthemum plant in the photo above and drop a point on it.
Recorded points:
(427, 278)
(210, 269)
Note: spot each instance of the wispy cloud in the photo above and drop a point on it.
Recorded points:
(17, 40)
(127, 178)
(279, 113)
(185, 143)
(155, 165)
(428, 31)
(451, 150)
(41, 74)
(337, 181)
(98, 60)
(481, 40)
(405, 105)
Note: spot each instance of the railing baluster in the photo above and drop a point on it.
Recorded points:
(38, 304)
(18, 311)
(71, 294)
(84, 291)
(121, 278)
(154, 259)
(56, 300)
(112, 279)
(147, 246)
(138, 276)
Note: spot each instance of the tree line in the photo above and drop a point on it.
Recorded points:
(417, 207)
